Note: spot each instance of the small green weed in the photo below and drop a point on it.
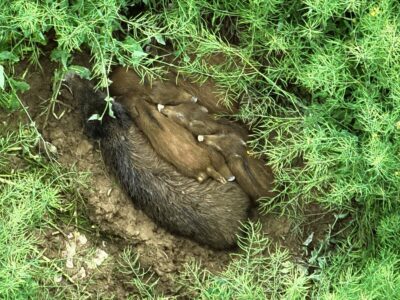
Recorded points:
(355, 275)
(142, 280)
(28, 201)
(259, 271)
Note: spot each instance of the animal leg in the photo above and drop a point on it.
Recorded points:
(226, 172)
(201, 177)
(215, 175)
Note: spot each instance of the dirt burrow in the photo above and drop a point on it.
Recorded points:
(112, 211)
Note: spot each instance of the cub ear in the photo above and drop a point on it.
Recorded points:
(197, 125)
(203, 108)
(134, 112)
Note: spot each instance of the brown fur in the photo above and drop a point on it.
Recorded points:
(218, 162)
(164, 92)
(185, 114)
(198, 121)
(252, 174)
(171, 141)
(125, 81)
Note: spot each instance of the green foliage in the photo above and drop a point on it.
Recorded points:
(318, 82)
(142, 280)
(352, 277)
(388, 233)
(98, 26)
(28, 199)
(260, 271)
(22, 205)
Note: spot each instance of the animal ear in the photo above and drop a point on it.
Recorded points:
(180, 116)
(196, 124)
(203, 108)
(134, 112)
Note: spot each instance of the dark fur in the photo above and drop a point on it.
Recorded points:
(210, 212)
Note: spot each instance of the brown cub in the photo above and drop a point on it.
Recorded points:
(218, 162)
(125, 81)
(166, 92)
(253, 176)
(197, 120)
(173, 142)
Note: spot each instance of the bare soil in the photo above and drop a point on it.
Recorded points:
(117, 222)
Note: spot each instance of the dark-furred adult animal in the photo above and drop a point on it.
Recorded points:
(209, 213)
